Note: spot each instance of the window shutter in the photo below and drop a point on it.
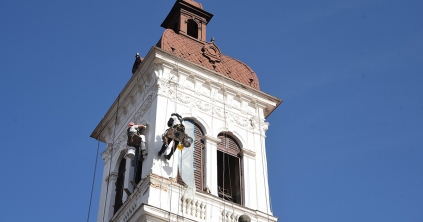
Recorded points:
(198, 158)
(232, 146)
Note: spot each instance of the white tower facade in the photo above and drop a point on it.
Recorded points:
(215, 95)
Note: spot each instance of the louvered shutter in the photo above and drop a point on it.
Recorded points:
(228, 145)
(198, 157)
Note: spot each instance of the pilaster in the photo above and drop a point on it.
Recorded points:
(211, 163)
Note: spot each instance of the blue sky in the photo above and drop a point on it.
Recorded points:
(345, 145)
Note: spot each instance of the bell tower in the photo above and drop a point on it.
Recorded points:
(223, 174)
(187, 17)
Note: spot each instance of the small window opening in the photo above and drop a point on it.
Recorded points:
(229, 169)
(119, 185)
(137, 164)
(229, 177)
(192, 29)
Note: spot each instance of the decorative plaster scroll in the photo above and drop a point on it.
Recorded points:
(184, 98)
(149, 79)
(147, 101)
(107, 152)
(240, 120)
(253, 122)
(206, 107)
(265, 126)
(162, 87)
(219, 112)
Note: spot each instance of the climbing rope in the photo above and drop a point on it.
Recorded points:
(95, 169)
(227, 153)
(114, 135)
(111, 157)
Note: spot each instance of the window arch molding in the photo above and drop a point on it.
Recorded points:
(200, 122)
(236, 136)
(115, 165)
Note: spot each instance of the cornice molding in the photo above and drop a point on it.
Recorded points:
(248, 152)
(209, 138)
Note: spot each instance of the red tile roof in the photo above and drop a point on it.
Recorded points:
(197, 52)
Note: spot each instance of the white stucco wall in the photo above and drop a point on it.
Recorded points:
(166, 84)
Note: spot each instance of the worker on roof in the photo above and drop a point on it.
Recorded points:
(135, 139)
(174, 123)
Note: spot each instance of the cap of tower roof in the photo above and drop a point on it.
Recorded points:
(208, 55)
(194, 3)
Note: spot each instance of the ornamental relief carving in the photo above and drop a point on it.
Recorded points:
(105, 155)
(147, 101)
(167, 90)
(218, 112)
(158, 70)
(240, 121)
(149, 80)
(206, 107)
(130, 211)
(184, 98)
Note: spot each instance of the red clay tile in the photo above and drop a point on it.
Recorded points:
(208, 55)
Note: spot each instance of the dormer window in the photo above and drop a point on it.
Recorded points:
(192, 28)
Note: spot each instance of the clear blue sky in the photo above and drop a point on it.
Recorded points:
(345, 145)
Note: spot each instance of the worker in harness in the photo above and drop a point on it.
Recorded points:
(135, 139)
(176, 129)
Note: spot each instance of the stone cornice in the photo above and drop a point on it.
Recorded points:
(248, 152)
(212, 139)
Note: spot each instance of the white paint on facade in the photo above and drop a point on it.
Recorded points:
(165, 84)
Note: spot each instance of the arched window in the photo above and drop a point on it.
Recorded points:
(229, 173)
(192, 28)
(119, 185)
(137, 164)
(198, 158)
